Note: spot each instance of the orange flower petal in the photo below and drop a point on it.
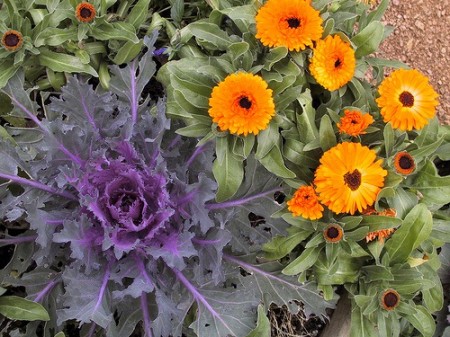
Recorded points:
(354, 123)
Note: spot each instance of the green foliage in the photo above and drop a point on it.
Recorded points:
(18, 308)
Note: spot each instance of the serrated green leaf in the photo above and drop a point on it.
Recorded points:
(19, 308)
(64, 63)
(416, 228)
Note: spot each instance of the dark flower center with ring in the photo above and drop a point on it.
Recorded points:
(353, 179)
(333, 232)
(407, 99)
(293, 22)
(406, 162)
(85, 13)
(245, 103)
(390, 299)
(337, 63)
(11, 40)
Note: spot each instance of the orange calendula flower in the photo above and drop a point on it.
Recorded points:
(242, 104)
(333, 62)
(390, 299)
(333, 233)
(294, 24)
(12, 40)
(407, 99)
(85, 12)
(349, 178)
(305, 203)
(404, 163)
(354, 122)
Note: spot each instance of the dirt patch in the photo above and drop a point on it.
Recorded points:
(421, 40)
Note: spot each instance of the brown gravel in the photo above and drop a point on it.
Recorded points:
(422, 41)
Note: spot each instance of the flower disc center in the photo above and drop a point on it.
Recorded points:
(332, 232)
(337, 63)
(293, 22)
(390, 300)
(407, 99)
(11, 40)
(353, 179)
(406, 162)
(245, 103)
(85, 13)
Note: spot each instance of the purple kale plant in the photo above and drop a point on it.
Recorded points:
(123, 236)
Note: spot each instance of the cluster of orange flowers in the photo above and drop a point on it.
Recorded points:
(349, 176)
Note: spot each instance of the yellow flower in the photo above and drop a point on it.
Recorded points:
(294, 24)
(333, 62)
(404, 163)
(349, 178)
(305, 203)
(242, 104)
(354, 123)
(12, 40)
(407, 100)
(85, 12)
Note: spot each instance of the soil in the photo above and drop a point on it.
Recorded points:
(420, 39)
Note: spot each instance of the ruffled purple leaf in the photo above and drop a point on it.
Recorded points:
(128, 83)
(87, 298)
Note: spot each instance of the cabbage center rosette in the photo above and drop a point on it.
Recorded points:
(129, 199)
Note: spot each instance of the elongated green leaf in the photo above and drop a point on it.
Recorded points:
(138, 14)
(211, 33)
(55, 36)
(274, 163)
(414, 230)
(15, 307)
(388, 134)
(361, 326)
(7, 70)
(306, 124)
(64, 63)
(280, 246)
(306, 259)
(368, 40)
(327, 137)
(128, 52)
(122, 31)
(275, 55)
(60, 334)
(434, 189)
(262, 325)
(422, 320)
(228, 170)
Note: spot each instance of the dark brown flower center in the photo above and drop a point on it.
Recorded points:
(85, 13)
(245, 103)
(337, 63)
(390, 299)
(353, 179)
(332, 232)
(407, 99)
(293, 22)
(11, 40)
(406, 162)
